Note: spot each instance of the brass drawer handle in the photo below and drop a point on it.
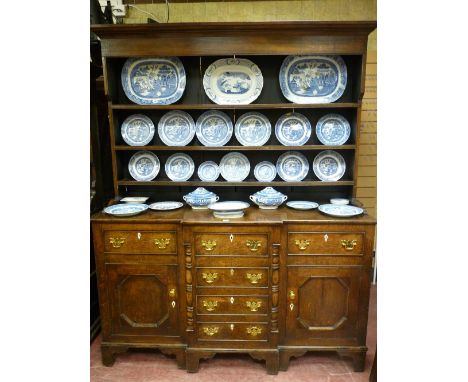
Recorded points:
(254, 277)
(210, 277)
(162, 243)
(211, 330)
(172, 292)
(302, 244)
(291, 296)
(117, 241)
(253, 305)
(348, 244)
(210, 305)
(254, 330)
(253, 245)
(209, 244)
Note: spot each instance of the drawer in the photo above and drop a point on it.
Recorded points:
(224, 331)
(337, 243)
(237, 244)
(233, 277)
(164, 242)
(245, 305)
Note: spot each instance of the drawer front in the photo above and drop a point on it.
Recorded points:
(236, 244)
(222, 331)
(232, 277)
(244, 305)
(158, 242)
(338, 243)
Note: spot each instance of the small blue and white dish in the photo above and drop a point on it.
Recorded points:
(176, 128)
(126, 209)
(200, 198)
(341, 211)
(165, 206)
(268, 198)
(293, 129)
(302, 205)
(137, 130)
(235, 167)
(214, 128)
(333, 130)
(265, 171)
(329, 166)
(144, 166)
(179, 167)
(252, 129)
(208, 171)
(292, 166)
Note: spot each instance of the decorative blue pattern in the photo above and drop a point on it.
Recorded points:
(340, 211)
(302, 205)
(176, 128)
(252, 129)
(144, 166)
(265, 171)
(179, 167)
(214, 128)
(293, 129)
(333, 129)
(137, 130)
(234, 83)
(200, 198)
(208, 171)
(268, 198)
(165, 206)
(292, 166)
(329, 166)
(125, 209)
(235, 167)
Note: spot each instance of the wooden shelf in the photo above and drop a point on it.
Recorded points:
(196, 183)
(235, 148)
(236, 107)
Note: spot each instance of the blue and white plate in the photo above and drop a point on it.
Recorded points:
(265, 171)
(329, 166)
(176, 128)
(179, 167)
(292, 166)
(165, 206)
(137, 130)
(233, 81)
(126, 209)
(144, 166)
(153, 81)
(214, 128)
(235, 167)
(333, 129)
(344, 211)
(293, 129)
(302, 205)
(252, 129)
(208, 171)
(313, 79)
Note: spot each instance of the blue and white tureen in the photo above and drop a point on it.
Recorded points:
(201, 198)
(268, 198)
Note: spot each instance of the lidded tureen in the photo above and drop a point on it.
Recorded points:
(268, 198)
(200, 198)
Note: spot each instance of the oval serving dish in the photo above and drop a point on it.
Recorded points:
(126, 209)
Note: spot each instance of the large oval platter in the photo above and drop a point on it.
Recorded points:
(313, 79)
(233, 81)
(179, 167)
(165, 206)
(252, 129)
(214, 128)
(137, 130)
(235, 167)
(292, 166)
(126, 209)
(144, 166)
(176, 128)
(333, 130)
(343, 211)
(329, 166)
(153, 81)
(293, 129)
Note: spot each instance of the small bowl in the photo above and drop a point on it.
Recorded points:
(134, 199)
(339, 201)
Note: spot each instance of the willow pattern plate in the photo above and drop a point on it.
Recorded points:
(176, 128)
(292, 166)
(214, 128)
(333, 129)
(165, 206)
(179, 167)
(313, 79)
(340, 210)
(329, 166)
(233, 81)
(137, 130)
(208, 171)
(302, 205)
(252, 129)
(293, 129)
(144, 166)
(265, 171)
(126, 209)
(235, 167)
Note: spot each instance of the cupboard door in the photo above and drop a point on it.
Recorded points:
(143, 299)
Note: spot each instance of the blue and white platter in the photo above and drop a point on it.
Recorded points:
(292, 166)
(176, 128)
(313, 79)
(126, 209)
(293, 129)
(265, 171)
(343, 211)
(329, 166)
(153, 81)
(333, 129)
(214, 128)
(208, 171)
(144, 166)
(235, 167)
(179, 167)
(137, 130)
(252, 129)
(165, 206)
(233, 81)
(302, 205)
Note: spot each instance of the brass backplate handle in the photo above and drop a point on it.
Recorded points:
(254, 330)
(253, 245)
(117, 241)
(292, 295)
(253, 305)
(254, 277)
(210, 305)
(210, 277)
(302, 244)
(211, 330)
(348, 244)
(209, 245)
(162, 243)
(172, 292)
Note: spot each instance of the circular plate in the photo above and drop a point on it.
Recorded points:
(153, 81)
(333, 129)
(340, 211)
(329, 166)
(302, 205)
(235, 167)
(293, 129)
(165, 206)
(179, 167)
(233, 81)
(214, 128)
(292, 166)
(144, 166)
(208, 171)
(252, 129)
(176, 128)
(265, 171)
(313, 79)
(137, 130)
(126, 209)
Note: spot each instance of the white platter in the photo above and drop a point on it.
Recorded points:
(265, 171)
(292, 166)
(233, 81)
(165, 206)
(340, 211)
(339, 201)
(135, 199)
(144, 166)
(125, 209)
(329, 166)
(214, 128)
(179, 167)
(302, 205)
(293, 129)
(137, 130)
(333, 129)
(235, 167)
(176, 128)
(208, 171)
(229, 209)
(252, 129)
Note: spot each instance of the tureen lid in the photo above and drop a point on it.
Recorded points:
(201, 192)
(269, 191)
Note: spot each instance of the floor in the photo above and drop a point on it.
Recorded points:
(312, 367)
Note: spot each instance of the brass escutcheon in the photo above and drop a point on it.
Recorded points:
(254, 330)
(211, 330)
(253, 305)
(210, 277)
(210, 305)
(253, 245)
(348, 244)
(117, 241)
(254, 277)
(302, 244)
(162, 243)
(208, 244)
